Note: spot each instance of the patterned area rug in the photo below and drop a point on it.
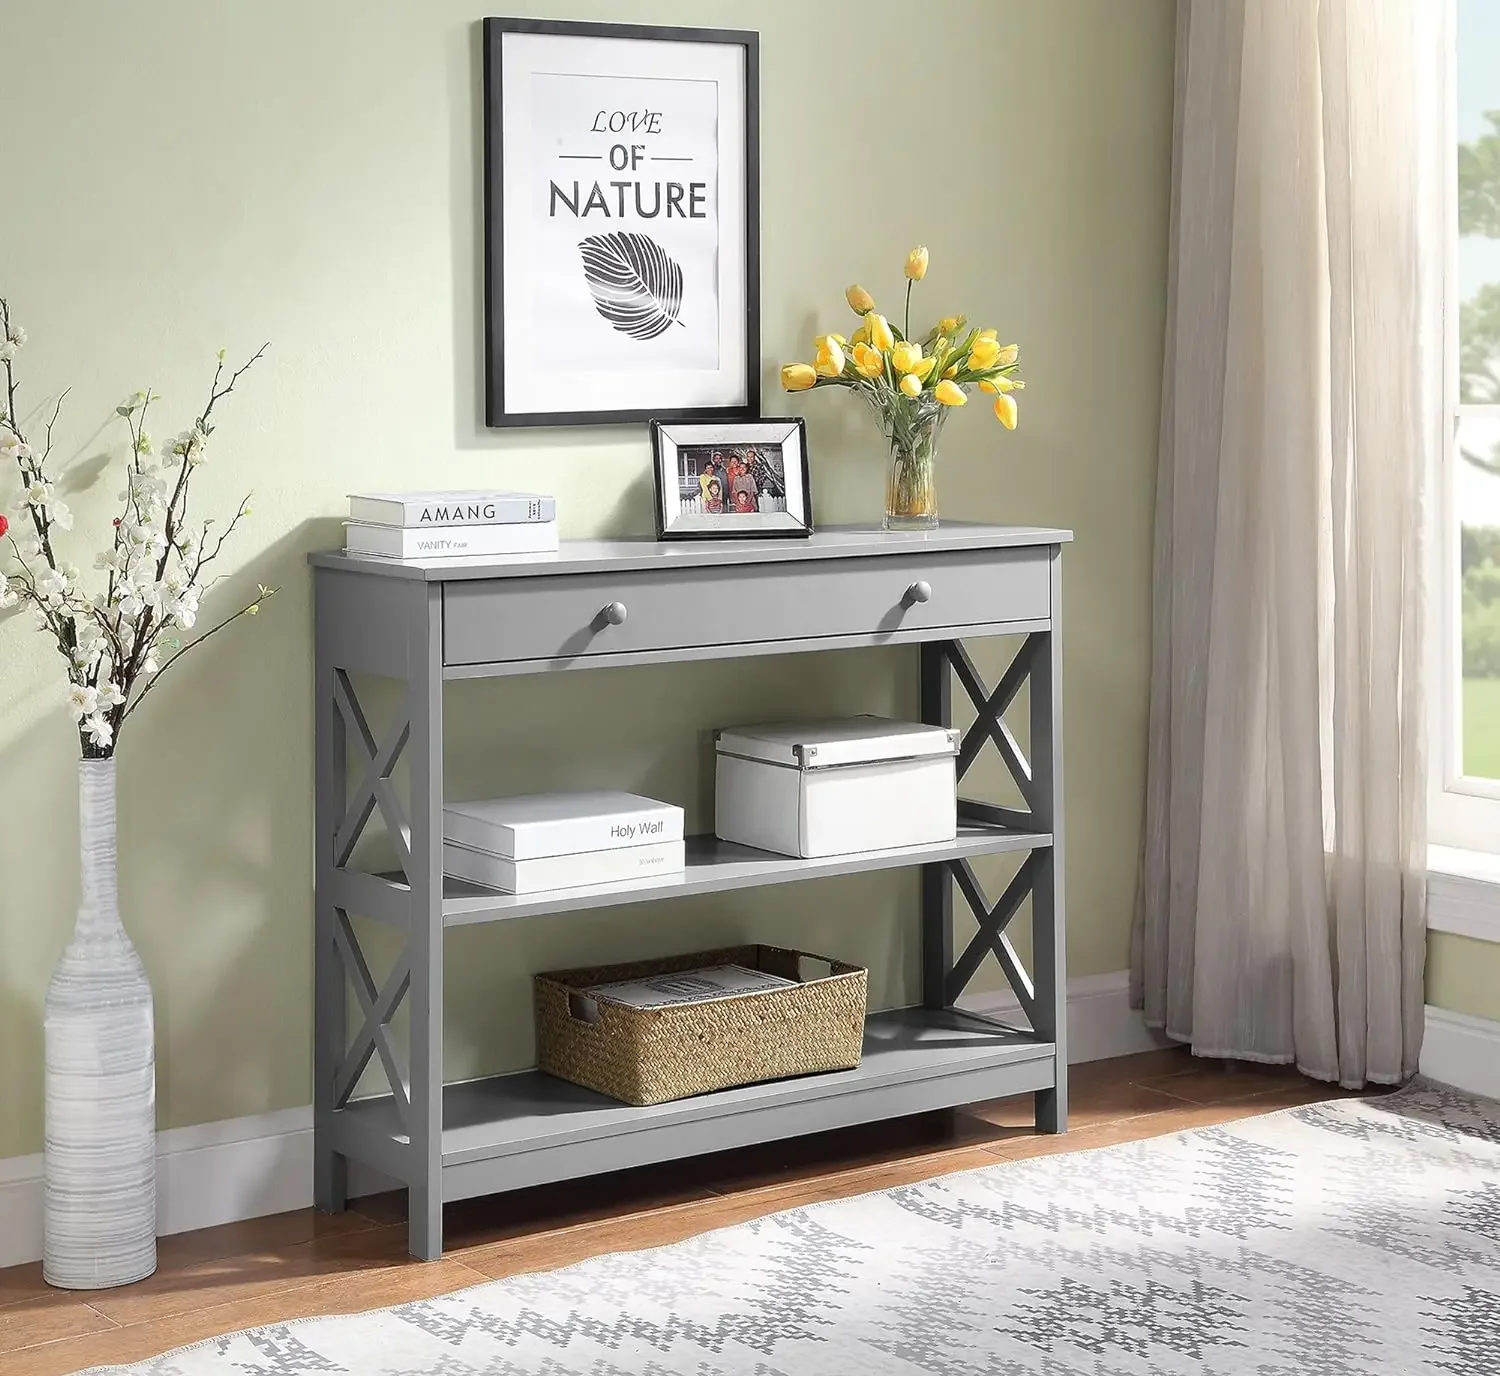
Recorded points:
(1355, 1238)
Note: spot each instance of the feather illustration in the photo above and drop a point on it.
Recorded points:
(635, 285)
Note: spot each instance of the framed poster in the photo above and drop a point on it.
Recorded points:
(622, 223)
(725, 480)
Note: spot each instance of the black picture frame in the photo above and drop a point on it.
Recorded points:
(494, 31)
(670, 436)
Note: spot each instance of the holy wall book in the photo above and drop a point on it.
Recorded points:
(432, 542)
(563, 871)
(537, 825)
(482, 508)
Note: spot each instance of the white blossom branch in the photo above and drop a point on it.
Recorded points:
(249, 609)
(110, 642)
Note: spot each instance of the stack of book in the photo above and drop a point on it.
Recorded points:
(561, 840)
(445, 525)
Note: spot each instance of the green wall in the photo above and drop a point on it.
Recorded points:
(184, 175)
(1463, 975)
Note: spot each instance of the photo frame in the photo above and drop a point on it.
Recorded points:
(622, 222)
(727, 480)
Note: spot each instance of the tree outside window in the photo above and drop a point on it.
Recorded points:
(1478, 445)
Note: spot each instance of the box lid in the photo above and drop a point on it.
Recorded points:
(842, 741)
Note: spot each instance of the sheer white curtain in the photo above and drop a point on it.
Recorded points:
(1282, 907)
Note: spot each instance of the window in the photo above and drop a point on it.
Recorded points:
(1466, 688)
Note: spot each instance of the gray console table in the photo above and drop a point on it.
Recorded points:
(631, 602)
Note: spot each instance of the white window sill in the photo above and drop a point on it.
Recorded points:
(1463, 893)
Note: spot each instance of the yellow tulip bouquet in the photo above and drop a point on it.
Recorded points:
(912, 384)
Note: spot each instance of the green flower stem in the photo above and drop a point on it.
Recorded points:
(911, 426)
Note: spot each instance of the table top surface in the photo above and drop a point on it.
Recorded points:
(611, 556)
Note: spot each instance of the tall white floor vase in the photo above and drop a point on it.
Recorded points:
(100, 1227)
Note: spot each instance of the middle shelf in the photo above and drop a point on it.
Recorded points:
(712, 866)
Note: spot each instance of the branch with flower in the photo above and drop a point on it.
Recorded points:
(912, 382)
(117, 641)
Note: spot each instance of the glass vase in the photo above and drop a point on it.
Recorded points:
(99, 1211)
(912, 428)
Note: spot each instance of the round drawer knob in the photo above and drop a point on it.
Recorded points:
(920, 591)
(614, 614)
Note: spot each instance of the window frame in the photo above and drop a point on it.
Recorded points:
(1463, 810)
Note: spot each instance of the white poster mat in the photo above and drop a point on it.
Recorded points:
(561, 354)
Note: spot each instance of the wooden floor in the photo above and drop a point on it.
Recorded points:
(299, 1265)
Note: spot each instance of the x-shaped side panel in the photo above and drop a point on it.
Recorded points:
(375, 788)
(990, 707)
(378, 1003)
(991, 934)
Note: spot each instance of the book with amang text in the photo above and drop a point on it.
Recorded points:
(481, 508)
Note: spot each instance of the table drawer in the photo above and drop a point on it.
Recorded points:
(578, 615)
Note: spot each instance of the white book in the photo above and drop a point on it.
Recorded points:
(563, 871)
(434, 542)
(544, 824)
(481, 508)
(691, 986)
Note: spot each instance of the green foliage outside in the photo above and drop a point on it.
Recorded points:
(1479, 382)
(1479, 182)
(1482, 728)
(1479, 316)
(1480, 562)
(1479, 346)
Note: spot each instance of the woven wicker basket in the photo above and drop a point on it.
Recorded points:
(651, 1055)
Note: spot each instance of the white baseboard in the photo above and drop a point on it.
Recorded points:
(246, 1167)
(20, 1210)
(1101, 1022)
(1462, 1051)
(208, 1174)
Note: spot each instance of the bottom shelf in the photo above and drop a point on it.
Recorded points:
(512, 1131)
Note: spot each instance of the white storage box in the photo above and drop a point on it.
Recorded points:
(834, 787)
